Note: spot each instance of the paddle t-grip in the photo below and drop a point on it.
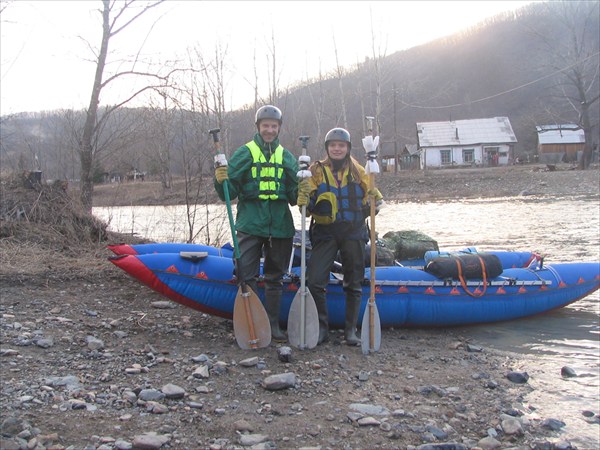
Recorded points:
(370, 120)
(215, 134)
(220, 159)
(304, 140)
(304, 160)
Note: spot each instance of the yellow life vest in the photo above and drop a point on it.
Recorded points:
(268, 174)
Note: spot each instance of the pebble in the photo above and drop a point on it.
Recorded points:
(279, 381)
(173, 391)
(553, 424)
(8, 352)
(368, 421)
(45, 342)
(249, 362)
(512, 427)
(151, 395)
(201, 372)
(518, 377)
(163, 304)
(248, 440)
(284, 354)
(243, 426)
(150, 441)
(372, 410)
(567, 372)
(489, 443)
(94, 343)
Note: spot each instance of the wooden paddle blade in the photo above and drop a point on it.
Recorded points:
(310, 322)
(250, 321)
(369, 332)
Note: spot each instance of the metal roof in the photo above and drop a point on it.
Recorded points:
(560, 134)
(411, 149)
(495, 130)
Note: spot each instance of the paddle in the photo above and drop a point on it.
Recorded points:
(251, 325)
(371, 325)
(303, 319)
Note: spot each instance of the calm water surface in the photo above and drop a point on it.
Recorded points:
(563, 229)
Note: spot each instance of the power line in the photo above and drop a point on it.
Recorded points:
(504, 92)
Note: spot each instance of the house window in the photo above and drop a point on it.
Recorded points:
(468, 155)
(446, 156)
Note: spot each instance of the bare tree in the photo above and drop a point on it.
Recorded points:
(576, 61)
(116, 17)
(272, 74)
(340, 74)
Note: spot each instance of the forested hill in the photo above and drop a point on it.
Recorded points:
(520, 65)
(507, 66)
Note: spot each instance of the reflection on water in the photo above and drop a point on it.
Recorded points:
(564, 230)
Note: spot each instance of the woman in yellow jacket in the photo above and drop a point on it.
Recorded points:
(336, 196)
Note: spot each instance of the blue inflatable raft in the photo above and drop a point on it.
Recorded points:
(405, 296)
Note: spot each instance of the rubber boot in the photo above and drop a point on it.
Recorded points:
(352, 310)
(323, 320)
(273, 307)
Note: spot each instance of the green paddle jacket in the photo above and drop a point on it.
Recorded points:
(258, 216)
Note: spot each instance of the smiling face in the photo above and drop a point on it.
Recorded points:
(268, 130)
(337, 150)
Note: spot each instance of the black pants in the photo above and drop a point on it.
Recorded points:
(277, 252)
(353, 261)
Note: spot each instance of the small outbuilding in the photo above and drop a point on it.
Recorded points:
(409, 157)
(560, 143)
(465, 143)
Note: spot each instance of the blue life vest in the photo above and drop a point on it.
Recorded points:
(349, 196)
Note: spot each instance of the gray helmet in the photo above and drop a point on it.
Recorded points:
(338, 134)
(268, 112)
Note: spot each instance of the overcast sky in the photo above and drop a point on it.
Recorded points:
(46, 63)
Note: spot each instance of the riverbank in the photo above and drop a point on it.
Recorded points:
(89, 358)
(403, 186)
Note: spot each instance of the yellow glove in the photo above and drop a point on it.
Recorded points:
(375, 193)
(303, 193)
(221, 174)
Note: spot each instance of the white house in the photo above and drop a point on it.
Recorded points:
(487, 142)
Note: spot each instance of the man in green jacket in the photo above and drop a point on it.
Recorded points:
(262, 175)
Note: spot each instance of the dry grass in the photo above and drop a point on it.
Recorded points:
(46, 235)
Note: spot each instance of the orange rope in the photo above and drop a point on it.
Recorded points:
(464, 284)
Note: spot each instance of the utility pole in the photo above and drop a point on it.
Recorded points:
(395, 135)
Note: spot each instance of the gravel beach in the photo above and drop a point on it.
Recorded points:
(91, 359)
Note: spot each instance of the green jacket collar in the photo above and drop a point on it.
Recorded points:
(266, 148)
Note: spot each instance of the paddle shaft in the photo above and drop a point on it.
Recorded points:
(373, 264)
(304, 140)
(373, 238)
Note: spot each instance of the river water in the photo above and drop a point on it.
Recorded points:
(563, 229)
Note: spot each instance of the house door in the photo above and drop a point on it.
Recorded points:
(492, 156)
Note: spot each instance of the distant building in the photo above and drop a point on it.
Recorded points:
(409, 157)
(463, 143)
(560, 143)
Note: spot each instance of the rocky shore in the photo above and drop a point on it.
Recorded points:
(90, 359)
(415, 185)
(104, 363)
